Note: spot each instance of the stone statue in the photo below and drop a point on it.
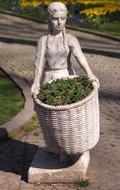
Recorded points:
(55, 49)
(53, 55)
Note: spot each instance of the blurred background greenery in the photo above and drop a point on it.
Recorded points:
(100, 15)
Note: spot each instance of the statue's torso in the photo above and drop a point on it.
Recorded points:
(57, 57)
(56, 54)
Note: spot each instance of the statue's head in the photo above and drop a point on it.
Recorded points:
(57, 16)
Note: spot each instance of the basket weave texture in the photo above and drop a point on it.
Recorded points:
(70, 129)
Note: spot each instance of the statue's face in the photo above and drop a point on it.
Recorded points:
(58, 21)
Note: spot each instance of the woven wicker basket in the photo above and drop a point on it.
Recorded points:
(70, 129)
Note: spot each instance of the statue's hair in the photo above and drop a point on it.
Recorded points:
(56, 6)
(53, 8)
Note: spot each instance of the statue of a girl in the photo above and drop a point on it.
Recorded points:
(55, 49)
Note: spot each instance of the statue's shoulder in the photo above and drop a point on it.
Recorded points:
(69, 36)
(42, 39)
(71, 39)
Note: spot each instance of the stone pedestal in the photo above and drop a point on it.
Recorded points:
(47, 168)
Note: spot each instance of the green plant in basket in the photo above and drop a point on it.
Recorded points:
(65, 91)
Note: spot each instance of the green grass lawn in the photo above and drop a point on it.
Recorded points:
(11, 98)
(112, 29)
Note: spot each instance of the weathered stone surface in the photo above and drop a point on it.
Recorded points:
(55, 187)
(25, 186)
(47, 168)
(9, 181)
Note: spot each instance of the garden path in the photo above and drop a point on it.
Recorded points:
(17, 50)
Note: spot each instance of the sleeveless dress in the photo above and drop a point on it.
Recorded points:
(53, 58)
(56, 60)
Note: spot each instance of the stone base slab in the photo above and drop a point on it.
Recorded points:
(47, 168)
(9, 181)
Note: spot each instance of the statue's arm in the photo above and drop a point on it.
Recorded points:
(78, 54)
(38, 66)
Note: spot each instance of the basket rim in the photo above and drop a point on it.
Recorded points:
(68, 106)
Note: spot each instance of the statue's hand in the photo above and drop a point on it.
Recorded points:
(35, 90)
(95, 81)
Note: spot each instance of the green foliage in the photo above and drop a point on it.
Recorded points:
(112, 29)
(37, 13)
(82, 183)
(65, 91)
(11, 99)
(9, 4)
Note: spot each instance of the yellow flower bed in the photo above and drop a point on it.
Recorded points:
(102, 7)
(90, 2)
(99, 11)
(105, 6)
(27, 3)
(36, 3)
